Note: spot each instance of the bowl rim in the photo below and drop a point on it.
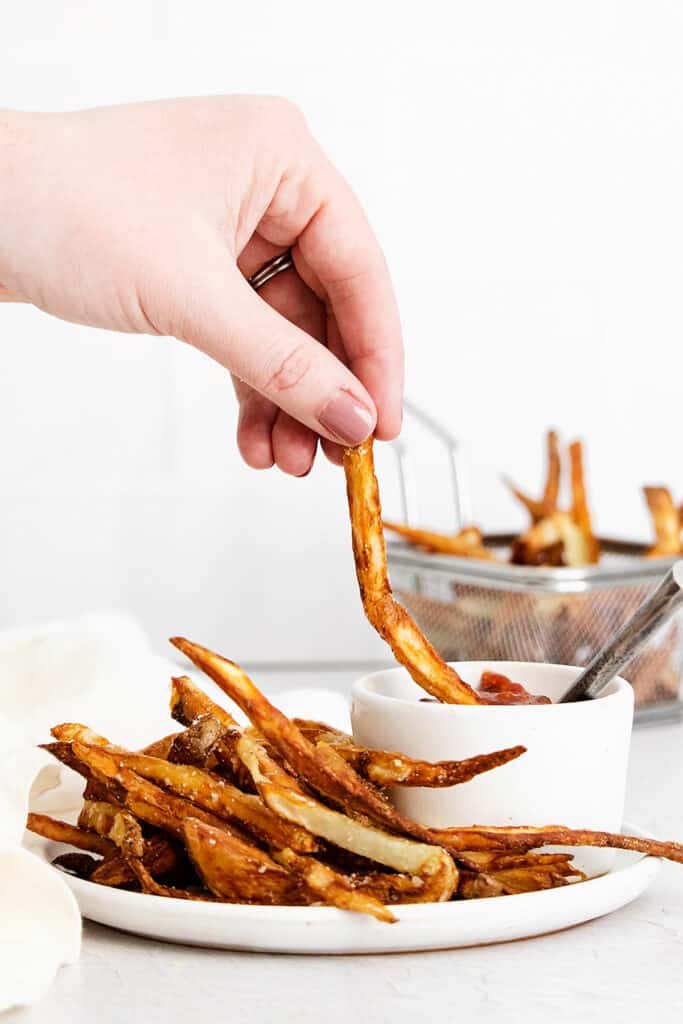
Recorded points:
(360, 690)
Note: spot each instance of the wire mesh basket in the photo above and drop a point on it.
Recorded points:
(475, 610)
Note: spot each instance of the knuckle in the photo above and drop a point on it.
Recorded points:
(289, 371)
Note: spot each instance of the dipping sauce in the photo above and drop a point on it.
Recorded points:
(495, 688)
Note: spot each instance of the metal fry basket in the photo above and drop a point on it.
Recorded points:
(476, 610)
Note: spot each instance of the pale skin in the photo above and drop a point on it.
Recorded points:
(148, 219)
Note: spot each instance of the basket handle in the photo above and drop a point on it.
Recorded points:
(462, 511)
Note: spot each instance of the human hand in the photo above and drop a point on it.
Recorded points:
(148, 218)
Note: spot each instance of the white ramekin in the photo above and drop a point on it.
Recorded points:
(573, 773)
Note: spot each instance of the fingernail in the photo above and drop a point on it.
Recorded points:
(347, 419)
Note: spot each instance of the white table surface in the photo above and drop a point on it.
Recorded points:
(625, 967)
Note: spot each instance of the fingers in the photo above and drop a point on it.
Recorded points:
(294, 446)
(225, 318)
(255, 423)
(339, 257)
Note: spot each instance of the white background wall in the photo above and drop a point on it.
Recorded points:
(522, 165)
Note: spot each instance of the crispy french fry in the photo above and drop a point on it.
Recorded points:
(468, 543)
(113, 823)
(528, 837)
(547, 535)
(235, 871)
(411, 648)
(161, 747)
(580, 511)
(386, 768)
(188, 703)
(547, 505)
(62, 832)
(666, 522)
(194, 745)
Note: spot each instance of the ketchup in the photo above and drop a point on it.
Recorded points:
(498, 689)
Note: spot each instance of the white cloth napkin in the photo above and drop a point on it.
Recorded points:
(99, 669)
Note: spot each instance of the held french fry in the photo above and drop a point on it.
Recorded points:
(411, 648)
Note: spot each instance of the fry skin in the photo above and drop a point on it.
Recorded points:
(666, 522)
(386, 768)
(547, 505)
(468, 543)
(411, 648)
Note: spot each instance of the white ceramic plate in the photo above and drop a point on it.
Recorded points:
(327, 930)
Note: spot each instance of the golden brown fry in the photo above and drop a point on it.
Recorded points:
(194, 745)
(161, 748)
(386, 768)
(580, 511)
(188, 703)
(62, 832)
(547, 534)
(331, 887)
(431, 864)
(666, 522)
(236, 871)
(468, 543)
(411, 648)
(547, 506)
(113, 823)
(528, 837)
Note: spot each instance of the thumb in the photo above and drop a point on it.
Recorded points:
(229, 322)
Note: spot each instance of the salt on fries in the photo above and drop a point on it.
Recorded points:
(314, 829)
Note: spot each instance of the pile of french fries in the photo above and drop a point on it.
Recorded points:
(556, 537)
(292, 812)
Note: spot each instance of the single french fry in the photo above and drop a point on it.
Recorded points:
(62, 832)
(195, 744)
(188, 703)
(411, 648)
(547, 535)
(235, 871)
(386, 768)
(528, 837)
(580, 511)
(113, 823)
(666, 522)
(468, 543)
(547, 505)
